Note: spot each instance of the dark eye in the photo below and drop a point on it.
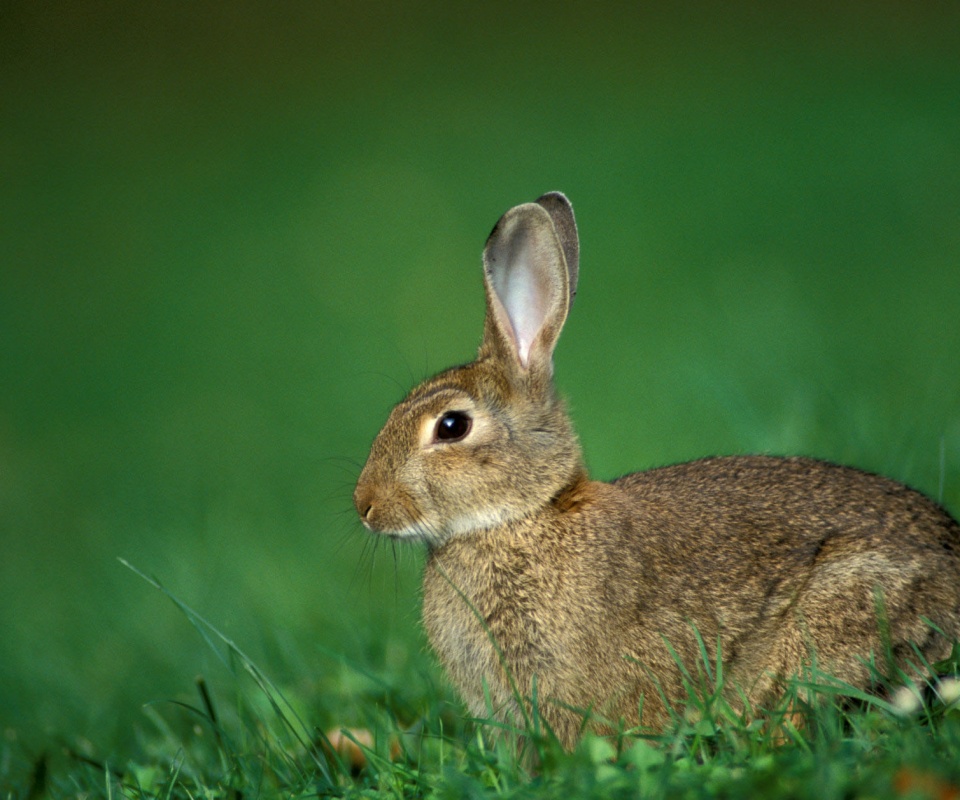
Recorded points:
(452, 426)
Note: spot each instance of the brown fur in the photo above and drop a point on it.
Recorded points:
(538, 574)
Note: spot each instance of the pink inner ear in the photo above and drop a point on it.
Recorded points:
(524, 298)
(525, 274)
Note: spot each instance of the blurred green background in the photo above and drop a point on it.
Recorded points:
(231, 235)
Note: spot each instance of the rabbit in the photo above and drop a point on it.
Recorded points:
(587, 596)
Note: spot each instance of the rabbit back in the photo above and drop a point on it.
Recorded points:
(793, 558)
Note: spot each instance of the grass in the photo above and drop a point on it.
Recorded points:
(824, 740)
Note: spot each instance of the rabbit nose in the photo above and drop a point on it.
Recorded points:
(363, 497)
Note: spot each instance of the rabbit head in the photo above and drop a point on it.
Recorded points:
(488, 442)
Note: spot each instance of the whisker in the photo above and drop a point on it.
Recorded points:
(396, 574)
(364, 565)
(348, 459)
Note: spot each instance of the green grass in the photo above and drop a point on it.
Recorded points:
(231, 237)
(824, 740)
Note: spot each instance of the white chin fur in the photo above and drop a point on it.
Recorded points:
(479, 520)
(463, 525)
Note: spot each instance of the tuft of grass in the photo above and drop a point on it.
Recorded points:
(253, 738)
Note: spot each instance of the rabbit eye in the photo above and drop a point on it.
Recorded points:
(452, 427)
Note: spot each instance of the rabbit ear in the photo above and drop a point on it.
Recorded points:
(528, 287)
(561, 213)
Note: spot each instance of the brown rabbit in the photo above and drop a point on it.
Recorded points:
(540, 578)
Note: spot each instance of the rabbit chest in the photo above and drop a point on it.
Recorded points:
(532, 608)
(498, 611)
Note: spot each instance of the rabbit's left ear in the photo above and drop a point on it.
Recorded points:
(528, 284)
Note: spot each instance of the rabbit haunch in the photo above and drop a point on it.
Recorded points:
(538, 575)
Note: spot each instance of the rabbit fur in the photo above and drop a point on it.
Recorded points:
(538, 577)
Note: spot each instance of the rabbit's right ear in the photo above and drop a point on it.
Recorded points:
(528, 286)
